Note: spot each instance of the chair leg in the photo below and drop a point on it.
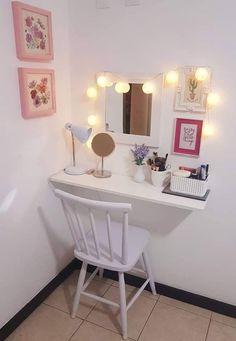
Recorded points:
(123, 310)
(101, 271)
(149, 272)
(79, 289)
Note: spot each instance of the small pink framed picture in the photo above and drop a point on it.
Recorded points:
(37, 92)
(33, 32)
(187, 136)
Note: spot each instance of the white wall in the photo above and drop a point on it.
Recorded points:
(34, 244)
(192, 251)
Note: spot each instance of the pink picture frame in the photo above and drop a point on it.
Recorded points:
(187, 136)
(33, 33)
(37, 92)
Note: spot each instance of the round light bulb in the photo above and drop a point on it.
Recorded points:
(148, 88)
(208, 130)
(201, 74)
(92, 92)
(92, 120)
(89, 143)
(122, 87)
(102, 81)
(213, 99)
(172, 77)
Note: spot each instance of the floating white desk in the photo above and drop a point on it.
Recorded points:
(125, 186)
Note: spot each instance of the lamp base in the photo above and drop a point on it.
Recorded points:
(75, 170)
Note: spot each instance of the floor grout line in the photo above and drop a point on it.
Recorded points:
(224, 323)
(110, 330)
(76, 330)
(62, 311)
(188, 311)
(208, 330)
(148, 318)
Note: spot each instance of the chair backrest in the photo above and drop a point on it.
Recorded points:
(71, 204)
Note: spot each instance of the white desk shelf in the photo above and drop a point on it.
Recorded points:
(125, 186)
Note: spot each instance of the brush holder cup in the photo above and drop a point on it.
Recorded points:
(160, 178)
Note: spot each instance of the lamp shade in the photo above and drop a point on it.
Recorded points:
(82, 134)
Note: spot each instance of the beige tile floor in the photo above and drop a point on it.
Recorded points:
(151, 318)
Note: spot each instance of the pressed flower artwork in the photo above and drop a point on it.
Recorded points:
(40, 92)
(36, 32)
(191, 94)
(33, 32)
(37, 92)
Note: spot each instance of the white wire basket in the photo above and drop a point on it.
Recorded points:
(188, 186)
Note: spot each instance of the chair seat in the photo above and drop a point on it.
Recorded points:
(137, 241)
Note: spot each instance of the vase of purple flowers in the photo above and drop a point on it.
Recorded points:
(139, 153)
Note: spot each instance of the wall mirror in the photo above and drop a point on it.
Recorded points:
(132, 112)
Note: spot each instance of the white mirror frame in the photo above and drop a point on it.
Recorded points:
(154, 139)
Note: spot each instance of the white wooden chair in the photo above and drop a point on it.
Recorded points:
(106, 245)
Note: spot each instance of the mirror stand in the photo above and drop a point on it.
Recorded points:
(102, 173)
(102, 145)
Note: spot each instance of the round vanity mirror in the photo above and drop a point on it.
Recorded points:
(103, 145)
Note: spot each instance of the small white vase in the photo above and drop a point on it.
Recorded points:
(139, 175)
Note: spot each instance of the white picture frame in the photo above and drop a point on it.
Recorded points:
(191, 94)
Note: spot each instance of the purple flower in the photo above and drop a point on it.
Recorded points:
(140, 152)
(28, 38)
(37, 101)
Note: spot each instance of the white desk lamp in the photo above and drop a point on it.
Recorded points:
(82, 134)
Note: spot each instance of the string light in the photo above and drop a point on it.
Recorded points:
(148, 88)
(102, 81)
(92, 92)
(89, 143)
(92, 120)
(213, 99)
(171, 77)
(122, 87)
(201, 74)
(208, 130)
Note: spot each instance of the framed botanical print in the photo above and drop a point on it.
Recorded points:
(191, 94)
(37, 92)
(33, 32)
(187, 136)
